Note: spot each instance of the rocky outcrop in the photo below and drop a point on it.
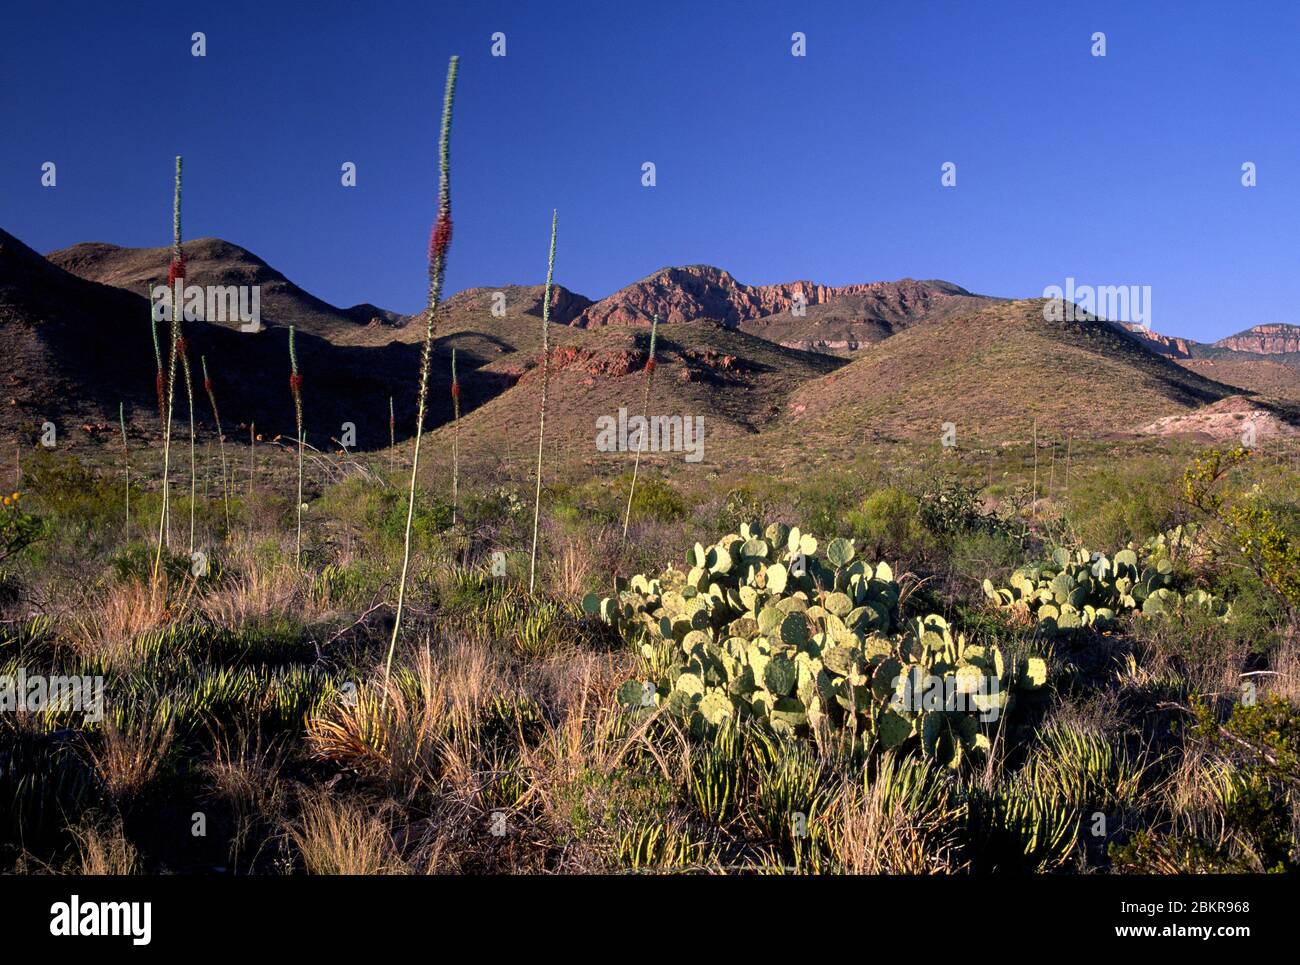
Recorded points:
(1264, 340)
(703, 291)
(1171, 346)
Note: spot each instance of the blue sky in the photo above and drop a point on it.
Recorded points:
(1123, 170)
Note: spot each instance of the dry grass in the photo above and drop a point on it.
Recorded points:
(110, 622)
(339, 837)
(103, 852)
(130, 756)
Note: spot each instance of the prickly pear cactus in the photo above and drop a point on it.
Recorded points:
(769, 625)
(1083, 589)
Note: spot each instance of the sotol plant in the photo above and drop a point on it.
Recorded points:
(439, 244)
(541, 417)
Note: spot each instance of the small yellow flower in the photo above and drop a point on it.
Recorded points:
(8, 500)
(15, 496)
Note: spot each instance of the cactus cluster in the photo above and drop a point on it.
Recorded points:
(769, 626)
(1084, 589)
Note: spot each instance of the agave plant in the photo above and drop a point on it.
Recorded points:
(439, 245)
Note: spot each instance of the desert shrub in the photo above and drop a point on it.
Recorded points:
(1122, 502)
(888, 525)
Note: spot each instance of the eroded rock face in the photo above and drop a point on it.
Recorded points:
(1163, 344)
(1264, 340)
(702, 291)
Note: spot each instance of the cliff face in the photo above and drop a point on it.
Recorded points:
(1173, 347)
(702, 291)
(1264, 340)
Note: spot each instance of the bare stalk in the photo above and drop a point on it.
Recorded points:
(645, 427)
(295, 387)
(221, 437)
(455, 438)
(541, 426)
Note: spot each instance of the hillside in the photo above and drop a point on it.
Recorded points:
(212, 261)
(737, 382)
(992, 373)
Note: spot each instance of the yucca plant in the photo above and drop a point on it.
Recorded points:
(645, 424)
(439, 244)
(221, 436)
(455, 437)
(541, 418)
(295, 388)
(126, 456)
(175, 281)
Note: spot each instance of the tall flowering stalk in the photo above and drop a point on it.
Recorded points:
(645, 426)
(546, 368)
(126, 455)
(439, 243)
(295, 387)
(176, 282)
(221, 436)
(392, 437)
(455, 437)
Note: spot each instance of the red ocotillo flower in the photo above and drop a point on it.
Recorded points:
(175, 270)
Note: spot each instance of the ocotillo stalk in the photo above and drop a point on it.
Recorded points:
(455, 437)
(126, 455)
(221, 437)
(645, 426)
(176, 281)
(295, 387)
(392, 437)
(439, 243)
(541, 421)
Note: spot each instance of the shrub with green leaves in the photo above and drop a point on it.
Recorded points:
(768, 625)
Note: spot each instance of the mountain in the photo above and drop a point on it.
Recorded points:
(211, 261)
(71, 350)
(1275, 339)
(836, 318)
